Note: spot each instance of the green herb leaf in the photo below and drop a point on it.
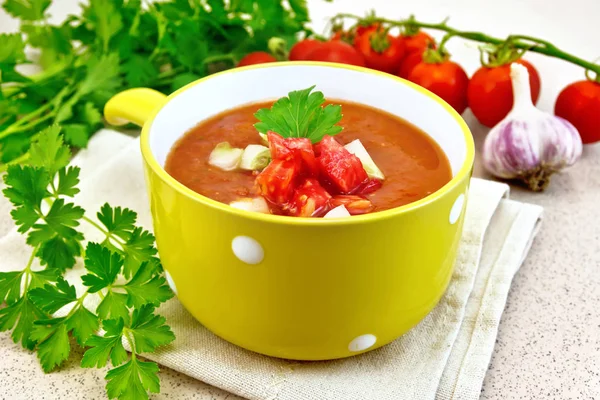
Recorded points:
(25, 217)
(300, 114)
(105, 19)
(40, 278)
(117, 221)
(12, 49)
(53, 344)
(52, 298)
(103, 267)
(149, 330)
(29, 10)
(48, 151)
(19, 317)
(83, 323)
(132, 380)
(139, 247)
(60, 221)
(77, 135)
(59, 253)
(113, 306)
(103, 347)
(68, 179)
(10, 286)
(139, 71)
(147, 287)
(26, 185)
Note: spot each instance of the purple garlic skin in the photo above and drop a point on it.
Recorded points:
(516, 146)
(529, 144)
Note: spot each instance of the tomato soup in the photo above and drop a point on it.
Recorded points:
(413, 164)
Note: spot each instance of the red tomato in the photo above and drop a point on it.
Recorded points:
(361, 29)
(298, 149)
(341, 168)
(310, 199)
(579, 103)
(387, 60)
(257, 57)
(277, 181)
(490, 93)
(417, 42)
(300, 50)
(337, 51)
(354, 204)
(447, 79)
(409, 62)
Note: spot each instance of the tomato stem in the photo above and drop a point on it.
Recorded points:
(524, 42)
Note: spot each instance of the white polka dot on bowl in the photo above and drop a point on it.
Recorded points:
(457, 209)
(170, 282)
(362, 342)
(247, 250)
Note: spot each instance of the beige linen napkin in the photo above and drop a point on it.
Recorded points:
(443, 357)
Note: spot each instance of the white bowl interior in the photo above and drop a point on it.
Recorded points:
(230, 90)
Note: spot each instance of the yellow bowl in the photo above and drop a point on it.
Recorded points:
(301, 288)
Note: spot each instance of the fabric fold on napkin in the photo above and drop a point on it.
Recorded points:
(444, 357)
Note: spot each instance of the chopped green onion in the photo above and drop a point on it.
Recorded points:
(257, 204)
(225, 157)
(356, 147)
(255, 157)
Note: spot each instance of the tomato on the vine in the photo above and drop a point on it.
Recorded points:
(381, 51)
(418, 42)
(409, 62)
(490, 92)
(257, 57)
(302, 49)
(579, 103)
(337, 51)
(447, 79)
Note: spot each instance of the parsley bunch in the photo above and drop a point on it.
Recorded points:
(118, 44)
(43, 310)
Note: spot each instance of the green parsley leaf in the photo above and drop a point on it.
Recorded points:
(12, 49)
(68, 179)
(139, 71)
(132, 380)
(149, 330)
(103, 267)
(83, 323)
(25, 217)
(103, 347)
(53, 344)
(29, 10)
(60, 221)
(91, 114)
(26, 185)
(77, 135)
(146, 287)
(52, 298)
(118, 221)
(10, 286)
(301, 114)
(19, 317)
(48, 150)
(59, 253)
(113, 306)
(40, 278)
(139, 247)
(105, 18)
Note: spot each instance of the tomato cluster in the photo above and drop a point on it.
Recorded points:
(415, 57)
(308, 181)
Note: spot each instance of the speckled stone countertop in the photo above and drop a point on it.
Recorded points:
(548, 343)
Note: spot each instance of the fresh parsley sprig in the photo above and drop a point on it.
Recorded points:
(43, 310)
(301, 115)
(113, 45)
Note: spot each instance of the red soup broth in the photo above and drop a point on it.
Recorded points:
(413, 164)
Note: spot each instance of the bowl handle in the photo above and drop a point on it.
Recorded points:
(133, 105)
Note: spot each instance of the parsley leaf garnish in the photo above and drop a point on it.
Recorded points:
(40, 193)
(301, 114)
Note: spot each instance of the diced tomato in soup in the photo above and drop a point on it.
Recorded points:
(310, 199)
(278, 181)
(300, 149)
(343, 169)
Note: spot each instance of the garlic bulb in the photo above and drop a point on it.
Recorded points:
(529, 144)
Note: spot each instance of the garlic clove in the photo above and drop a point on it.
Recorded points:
(529, 144)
